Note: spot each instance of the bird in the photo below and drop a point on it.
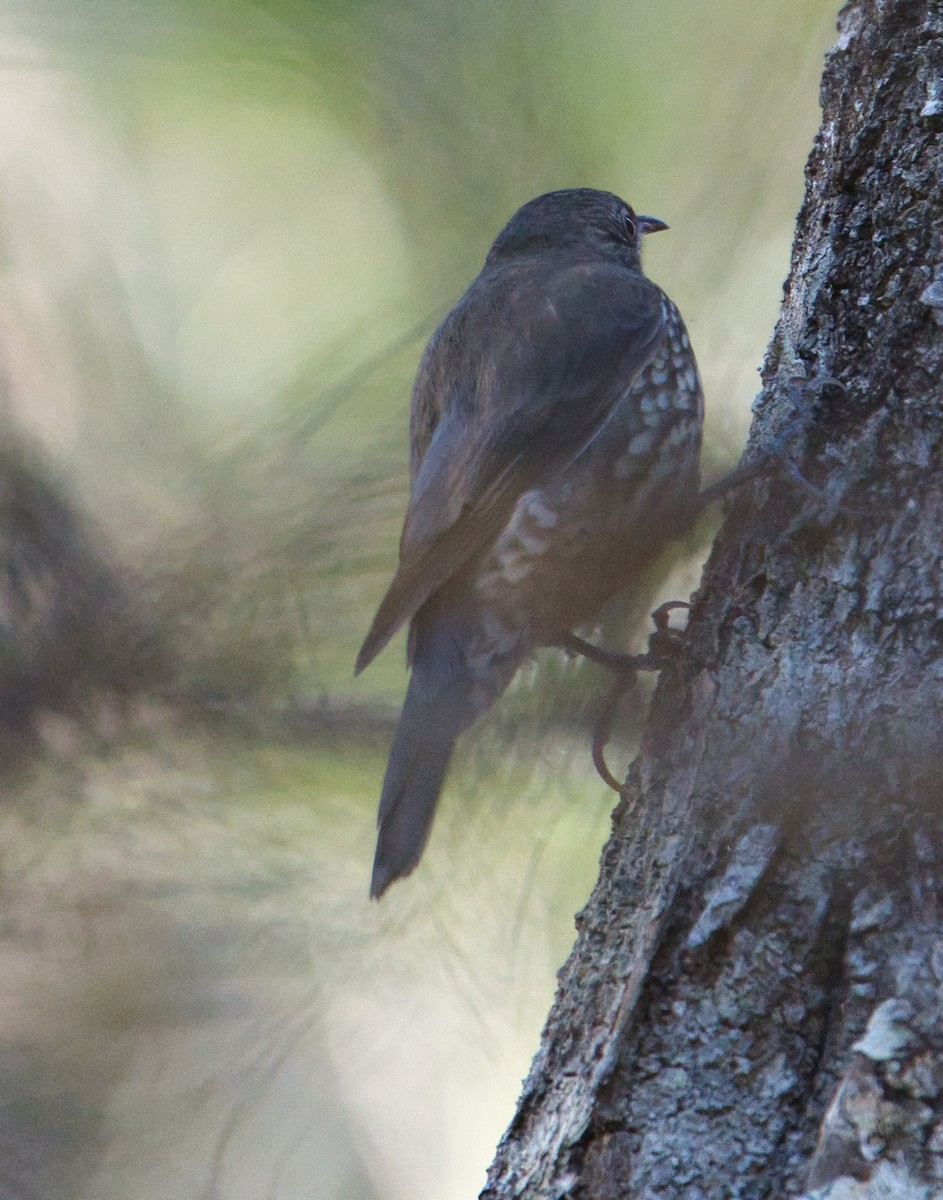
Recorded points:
(555, 432)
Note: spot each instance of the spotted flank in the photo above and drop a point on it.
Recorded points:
(524, 542)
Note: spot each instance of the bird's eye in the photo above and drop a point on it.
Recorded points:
(628, 221)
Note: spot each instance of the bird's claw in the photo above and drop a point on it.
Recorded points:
(663, 648)
(603, 730)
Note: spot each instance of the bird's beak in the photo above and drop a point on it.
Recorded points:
(650, 224)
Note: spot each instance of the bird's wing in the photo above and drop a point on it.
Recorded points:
(534, 397)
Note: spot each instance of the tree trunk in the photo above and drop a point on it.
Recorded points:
(754, 1005)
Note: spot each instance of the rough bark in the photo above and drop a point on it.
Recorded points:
(754, 1005)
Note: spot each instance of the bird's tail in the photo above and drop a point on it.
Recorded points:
(442, 699)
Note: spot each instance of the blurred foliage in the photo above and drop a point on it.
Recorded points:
(225, 233)
(228, 232)
(200, 1000)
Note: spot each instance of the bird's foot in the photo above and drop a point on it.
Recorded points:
(778, 462)
(788, 444)
(665, 644)
(663, 648)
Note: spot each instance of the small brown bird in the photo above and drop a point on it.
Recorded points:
(555, 443)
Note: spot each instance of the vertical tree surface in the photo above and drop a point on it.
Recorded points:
(754, 1005)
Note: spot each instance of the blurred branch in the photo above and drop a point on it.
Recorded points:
(68, 620)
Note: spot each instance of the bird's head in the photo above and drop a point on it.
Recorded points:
(580, 219)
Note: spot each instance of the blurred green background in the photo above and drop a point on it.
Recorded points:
(225, 233)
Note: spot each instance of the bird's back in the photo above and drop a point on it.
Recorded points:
(586, 532)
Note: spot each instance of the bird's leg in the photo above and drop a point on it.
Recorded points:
(663, 646)
(625, 668)
(780, 455)
(778, 461)
(612, 660)
(732, 480)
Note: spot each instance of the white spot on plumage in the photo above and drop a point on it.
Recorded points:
(542, 516)
(648, 404)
